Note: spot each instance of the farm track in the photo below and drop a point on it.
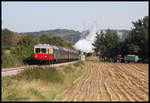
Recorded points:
(110, 82)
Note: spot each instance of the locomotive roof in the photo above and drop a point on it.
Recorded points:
(45, 46)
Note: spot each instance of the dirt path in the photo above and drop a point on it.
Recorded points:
(110, 82)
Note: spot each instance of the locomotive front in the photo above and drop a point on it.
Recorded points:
(43, 52)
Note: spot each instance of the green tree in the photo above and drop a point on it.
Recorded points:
(106, 44)
(45, 39)
(25, 47)
(6, 42)
(138, 38)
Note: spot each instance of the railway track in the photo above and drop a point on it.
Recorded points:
(16, 70)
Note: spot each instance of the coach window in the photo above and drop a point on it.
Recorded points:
(37, 50)
(43, 50)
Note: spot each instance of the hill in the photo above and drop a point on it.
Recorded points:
(65, 34)
(72, 35)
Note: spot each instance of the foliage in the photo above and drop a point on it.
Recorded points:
(25, 47)
(6, 42)
(106, 43)
(54, 40)
(138, 38)
(136, 42)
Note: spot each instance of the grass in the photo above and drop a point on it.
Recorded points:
(44, 74)
(10, 60)
(40, 84)
(79, 63)
(68, 69)
(36, 92)
(12, 94)
(9, 90)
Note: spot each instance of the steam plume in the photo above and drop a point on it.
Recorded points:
(85, 44)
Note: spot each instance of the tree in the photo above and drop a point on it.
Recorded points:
(138, 38)
(99, 40)
(25, 47)
(6, 39)
(45, 39)
(106, 44)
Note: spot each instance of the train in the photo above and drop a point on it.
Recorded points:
(54, 53)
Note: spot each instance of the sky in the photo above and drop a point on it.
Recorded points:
(37, 16)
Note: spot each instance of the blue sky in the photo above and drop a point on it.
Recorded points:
(36, 16)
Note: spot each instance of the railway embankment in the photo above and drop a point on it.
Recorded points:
(40, 83)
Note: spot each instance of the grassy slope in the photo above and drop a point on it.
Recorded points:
(40, 84)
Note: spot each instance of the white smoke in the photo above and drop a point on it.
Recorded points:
(120, 34)
(85, 44)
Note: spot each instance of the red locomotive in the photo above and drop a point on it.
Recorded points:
(54, 53)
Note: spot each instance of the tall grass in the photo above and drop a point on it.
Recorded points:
(10, 60)
(39, 73)
(9, 90)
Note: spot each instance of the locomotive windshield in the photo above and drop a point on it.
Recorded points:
(43, 50)
(37, 50)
